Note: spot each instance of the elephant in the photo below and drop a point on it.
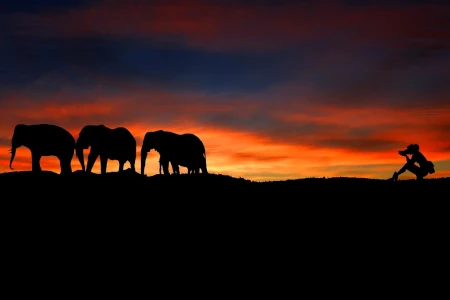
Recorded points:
(175, 168)
(179, 149)
(163, 161)
(44, 140)
(115, 144)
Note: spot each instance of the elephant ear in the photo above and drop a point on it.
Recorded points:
(158, 139)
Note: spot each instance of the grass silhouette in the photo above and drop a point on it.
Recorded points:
(129, 184)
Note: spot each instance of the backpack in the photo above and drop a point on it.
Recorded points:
(430, 166)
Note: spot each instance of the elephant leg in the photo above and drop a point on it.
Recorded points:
(66, 168)
(121, 163)
(175, 168)
(92, 157)
(104, 163)
(35, 162)
(203, 166)
(166, 168)
(132, 162)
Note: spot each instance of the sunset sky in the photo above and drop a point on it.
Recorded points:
(275, 89)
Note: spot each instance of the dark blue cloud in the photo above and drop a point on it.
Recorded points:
(344, 74)
(39, 6)
(43, 65)
(86, 62)
(391, 3)
(209, 72)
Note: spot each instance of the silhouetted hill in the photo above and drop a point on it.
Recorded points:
(212, 186)
(199, 215)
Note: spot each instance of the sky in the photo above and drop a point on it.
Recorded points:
(275, 89)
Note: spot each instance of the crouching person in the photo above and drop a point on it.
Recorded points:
(421, 170)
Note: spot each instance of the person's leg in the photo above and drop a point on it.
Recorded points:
(421, 173)
(411, 168)
(407, 167)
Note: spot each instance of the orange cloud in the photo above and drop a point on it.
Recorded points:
(256, 141)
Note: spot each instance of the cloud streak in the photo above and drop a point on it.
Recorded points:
(222, 26)
(299, 143)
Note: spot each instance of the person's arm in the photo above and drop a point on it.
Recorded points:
(418, 158)
(409, 160)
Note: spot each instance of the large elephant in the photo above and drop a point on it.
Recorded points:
(115, 144)
(180, 149)
(44, 140)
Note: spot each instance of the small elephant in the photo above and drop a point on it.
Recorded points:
(179, 149)
(115, 144)
(44, 140)
(176, 168)
(163, 162)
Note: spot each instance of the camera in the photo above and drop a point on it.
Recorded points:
(402, 152)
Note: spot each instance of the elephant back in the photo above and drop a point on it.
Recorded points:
(190, 151)
(119, 142)
(52, 135)
(124, 134)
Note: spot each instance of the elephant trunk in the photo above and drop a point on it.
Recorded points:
(143, 158)
(80, 156)
(13, 154)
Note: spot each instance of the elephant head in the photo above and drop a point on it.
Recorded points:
(89, 136)
(152, 140)
(20, 137)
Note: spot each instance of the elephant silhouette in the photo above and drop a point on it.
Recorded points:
(44, 140)
(175, 168)
(164, 161)
(115, 144)
(179, 149)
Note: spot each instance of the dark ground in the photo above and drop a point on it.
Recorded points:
(130, 190)
(134, 187)
(131, 227)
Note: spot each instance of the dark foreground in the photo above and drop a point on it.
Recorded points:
(215, 223)
(160, 202)
(131, 184)
(131, 197)
(131, 187)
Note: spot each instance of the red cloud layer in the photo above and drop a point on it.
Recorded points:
(322, 141)
(229, 26)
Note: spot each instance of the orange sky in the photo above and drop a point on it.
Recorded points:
(257, 155)
(276, 91)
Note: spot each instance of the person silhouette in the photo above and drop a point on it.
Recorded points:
(421, 170)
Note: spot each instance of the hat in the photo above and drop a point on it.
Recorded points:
(413, 147)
